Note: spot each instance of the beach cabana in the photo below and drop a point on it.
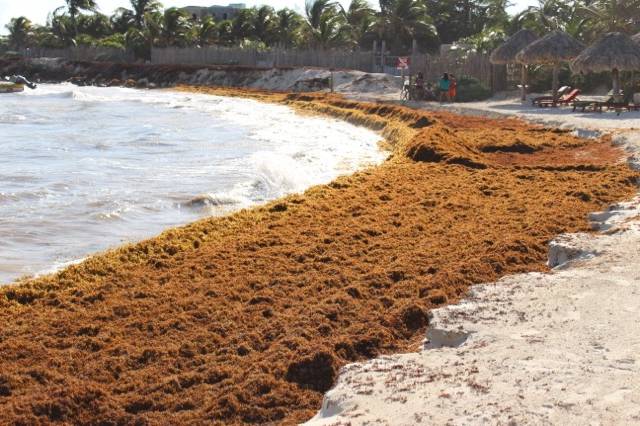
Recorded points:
(553, 49)
(614, 52)
(506, 53)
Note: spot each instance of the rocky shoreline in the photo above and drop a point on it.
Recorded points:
(145, 76)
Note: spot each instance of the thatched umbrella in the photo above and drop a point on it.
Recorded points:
(506, 53)
(552, 49)
(614, 52)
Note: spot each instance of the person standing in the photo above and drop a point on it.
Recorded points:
(453, 88)
(444, 85)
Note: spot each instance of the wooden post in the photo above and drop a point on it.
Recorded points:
(556, 81)
(616, 82)
(492, 79)
(331, 71)
(523, 82)
(414, 47)
(382, 52)
(375, 56)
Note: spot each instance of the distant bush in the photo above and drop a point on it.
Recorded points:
(471, 89)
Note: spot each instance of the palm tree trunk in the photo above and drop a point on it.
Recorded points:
(75, 26)
(616, 81)
(556, 82)
(523, 82)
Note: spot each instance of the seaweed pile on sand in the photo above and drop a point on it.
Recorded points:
(248, 318)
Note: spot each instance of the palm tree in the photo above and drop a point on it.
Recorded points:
(264, 24)
(74, 7)
(323, 23)
(122, 19)
(153, 24)
(225, 33)
(207, 31)
(497, 16)
(402, 21)
(359, 18)
(142, 40)
(19, 32)
(548, 15)
(551, 15)
(142, 7)
(95, 25)
(614, 15)
(288, 27)
(61, 27)
(242, 25)
(176, 28)
(314, 10)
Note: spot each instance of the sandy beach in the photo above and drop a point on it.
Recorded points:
(552, 348)
(250, 318)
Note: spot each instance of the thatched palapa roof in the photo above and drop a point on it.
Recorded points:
(553, 48)
(612, 51)
(506, 54)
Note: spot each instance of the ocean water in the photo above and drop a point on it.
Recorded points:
(83, 169)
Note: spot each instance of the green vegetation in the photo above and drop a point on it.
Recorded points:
(474, 24)
(471, 89)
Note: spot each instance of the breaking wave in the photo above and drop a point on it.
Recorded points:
(90, 168)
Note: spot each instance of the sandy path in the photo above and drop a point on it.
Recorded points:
(558, 348)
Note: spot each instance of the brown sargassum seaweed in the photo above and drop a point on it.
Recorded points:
(248, 318)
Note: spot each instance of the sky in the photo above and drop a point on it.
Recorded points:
(37, 10)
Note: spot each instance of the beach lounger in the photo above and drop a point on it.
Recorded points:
(566, 99)
(618, 107)
(561, 92)
(587, 106)
(616, 103)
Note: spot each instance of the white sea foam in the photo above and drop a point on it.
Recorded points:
(86, 168)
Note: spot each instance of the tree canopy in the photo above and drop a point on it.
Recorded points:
(324, 24)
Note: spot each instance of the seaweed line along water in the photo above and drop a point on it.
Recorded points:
(248, 318)
(84, 168)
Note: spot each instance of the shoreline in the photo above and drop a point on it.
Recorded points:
(562, 347)
(332, 148)
(424, 149)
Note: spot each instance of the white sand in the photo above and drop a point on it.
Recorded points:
(557, 348)
(562, 117)
(301, 79)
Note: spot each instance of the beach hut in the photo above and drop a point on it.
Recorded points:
(614, 52)
(553, 49)
(506, 54)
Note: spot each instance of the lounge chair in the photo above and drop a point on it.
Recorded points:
(588, 106)
(561, 91)
(565, 99)
(618, 104)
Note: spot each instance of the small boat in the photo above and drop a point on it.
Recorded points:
(8, 87)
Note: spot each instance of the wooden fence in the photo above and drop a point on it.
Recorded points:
(213, 55)
(432, 66)
(470, 64)
(82, 53)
